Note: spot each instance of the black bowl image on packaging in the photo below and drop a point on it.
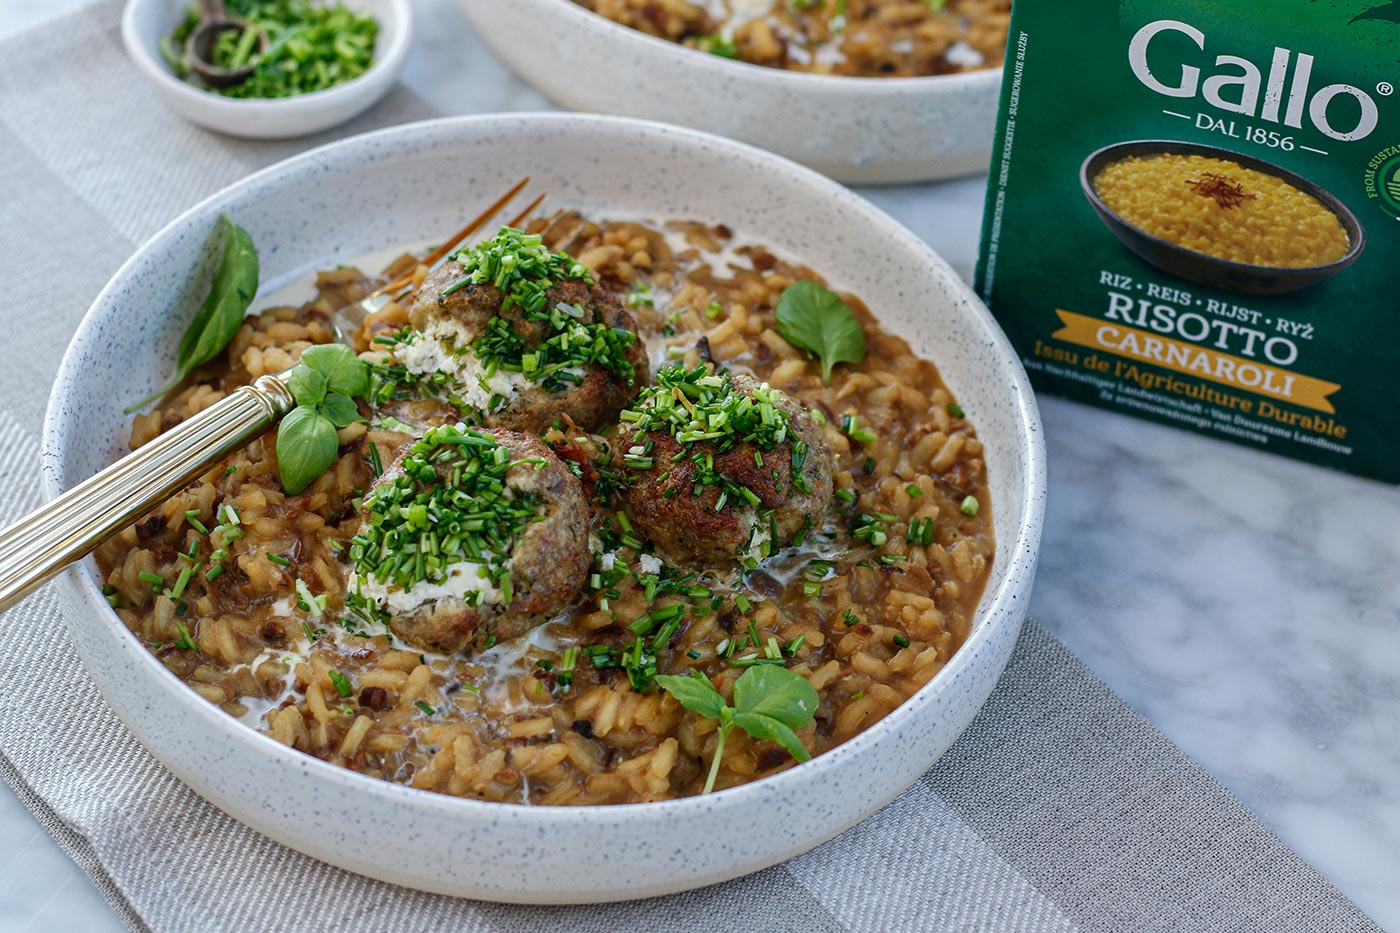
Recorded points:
(1203, 268)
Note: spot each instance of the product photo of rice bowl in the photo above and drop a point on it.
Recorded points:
(1218, 218)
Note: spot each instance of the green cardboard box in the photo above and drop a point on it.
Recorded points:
(1194, 216)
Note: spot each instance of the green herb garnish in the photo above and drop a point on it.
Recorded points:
(770, 702)
(323, 384)
(969, 506)
(815, 319)
(341, 683)
(232, 289)
(311, 46)
(698, 405)
(717, 45)
(186, 641)
(448, 504)
(524, 269)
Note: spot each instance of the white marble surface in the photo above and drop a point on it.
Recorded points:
(1247, 605)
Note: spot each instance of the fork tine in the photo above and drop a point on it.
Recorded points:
(550, 223)
(461, 235)
(520, 218)
(568, 241)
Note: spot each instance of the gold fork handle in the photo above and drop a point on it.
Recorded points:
(42, 543)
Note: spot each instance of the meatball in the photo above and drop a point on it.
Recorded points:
(726, 498)
(589, 394)
(532, 553)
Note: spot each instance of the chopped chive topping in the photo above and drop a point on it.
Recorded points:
(901, 641)
(851, 425)
(871, 528)
(427, 710)
(192, 516)
(448, 504)
(341, 683)
(185, 641)
(920, 532)
(913, 490)
(182, 581)
(846, 495)
(955, 410)
(698, 405)
(567, 664)
(279, 560)
(521, 266)
(850, 618)
(154, 579)
(969, 506)
(811, 590)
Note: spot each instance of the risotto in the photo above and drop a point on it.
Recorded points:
(1222, 209)
(866, 600)
(866, 38)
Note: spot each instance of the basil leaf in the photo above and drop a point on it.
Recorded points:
(775, 693)
(235, 283)
(695, 693)
(344, 371)
(307, 386)
(764, 727)
(231, 291)
(340, 409)
(814, 318)
(306, 447)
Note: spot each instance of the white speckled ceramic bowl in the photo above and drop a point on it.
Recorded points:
(145, 22)
(857, 130)
(408, 185)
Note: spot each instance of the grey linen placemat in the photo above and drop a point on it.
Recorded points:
(1060, 809)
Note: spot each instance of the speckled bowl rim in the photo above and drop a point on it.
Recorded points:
(150, 63)
(799, 81)
(1020, 545)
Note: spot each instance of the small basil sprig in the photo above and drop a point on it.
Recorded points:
(234, 284)
(814, 318)
(324, 385)
(769, 703)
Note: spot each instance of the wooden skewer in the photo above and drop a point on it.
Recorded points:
(394, 286)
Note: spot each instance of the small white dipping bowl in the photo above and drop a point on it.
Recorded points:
(412, 184)
(146, 22)
(857, 130)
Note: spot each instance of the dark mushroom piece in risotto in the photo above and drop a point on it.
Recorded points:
(721, 467)
(527, 336)
(471, 537)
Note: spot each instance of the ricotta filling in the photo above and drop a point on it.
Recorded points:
(759, 545)
(445, 347)
(466, 580)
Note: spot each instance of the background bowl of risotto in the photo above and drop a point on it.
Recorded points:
(405, 186)
(859, 130)
(1221, 218)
